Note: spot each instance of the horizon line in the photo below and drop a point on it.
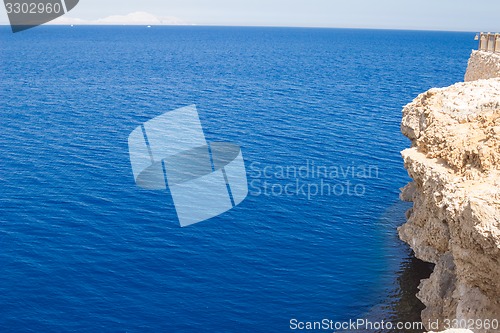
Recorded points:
(251, 26)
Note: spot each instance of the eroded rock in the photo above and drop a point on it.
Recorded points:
(455, 220)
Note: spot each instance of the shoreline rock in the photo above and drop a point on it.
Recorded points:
(482, 65)
(454, 161)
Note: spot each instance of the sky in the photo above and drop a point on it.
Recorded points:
(453, 15)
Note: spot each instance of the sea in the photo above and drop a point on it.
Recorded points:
(317, 115)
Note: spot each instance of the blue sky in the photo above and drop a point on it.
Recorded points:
(459, 15)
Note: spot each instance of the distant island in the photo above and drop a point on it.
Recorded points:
(135, 18)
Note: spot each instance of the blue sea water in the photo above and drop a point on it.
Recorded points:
(83, 249)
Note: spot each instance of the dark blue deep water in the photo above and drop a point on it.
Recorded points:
(83, 249)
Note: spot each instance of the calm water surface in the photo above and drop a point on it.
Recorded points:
(83, 249)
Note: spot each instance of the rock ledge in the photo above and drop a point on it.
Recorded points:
(454, 162)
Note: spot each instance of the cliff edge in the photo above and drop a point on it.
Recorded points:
(454, 161)
(483, 65)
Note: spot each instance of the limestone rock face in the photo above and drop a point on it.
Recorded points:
(483, 65)
(455, 220)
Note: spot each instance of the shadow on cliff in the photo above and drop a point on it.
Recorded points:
(404, 272)
(402, 305)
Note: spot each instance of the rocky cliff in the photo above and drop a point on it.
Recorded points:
(483, 65)
(454, 161)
